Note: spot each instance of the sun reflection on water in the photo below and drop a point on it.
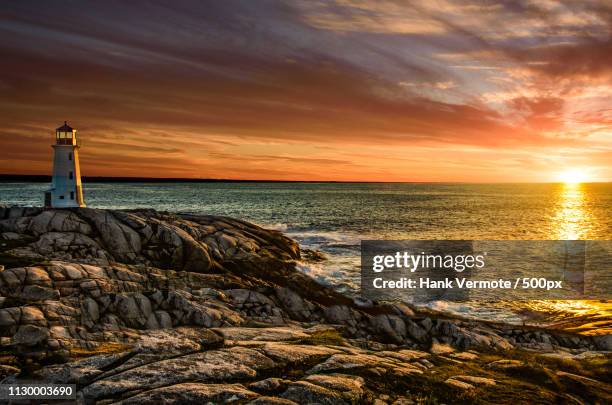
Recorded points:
(571, 221)
(589, 317)
(576, 307)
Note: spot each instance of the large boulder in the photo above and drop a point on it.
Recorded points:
(30, 335)
(122, 242)
(58, 221)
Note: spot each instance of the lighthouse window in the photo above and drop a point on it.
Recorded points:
(61, 197)
(72, 195)
(70, 156)
(70, 175)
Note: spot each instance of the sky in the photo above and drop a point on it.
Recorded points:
(466, 91)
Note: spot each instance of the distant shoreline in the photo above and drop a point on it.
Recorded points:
(39, 178)
(34, 178)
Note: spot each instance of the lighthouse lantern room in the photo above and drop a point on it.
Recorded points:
(66, 189)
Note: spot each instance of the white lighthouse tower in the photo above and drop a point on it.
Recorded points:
(66, 190)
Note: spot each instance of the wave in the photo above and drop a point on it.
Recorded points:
(274, 226)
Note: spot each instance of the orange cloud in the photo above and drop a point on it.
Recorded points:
(447, 91)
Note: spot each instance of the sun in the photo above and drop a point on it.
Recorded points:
(573, 176)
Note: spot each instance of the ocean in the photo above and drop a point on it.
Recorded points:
(334, 217)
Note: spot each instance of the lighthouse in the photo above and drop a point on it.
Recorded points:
(66, 190)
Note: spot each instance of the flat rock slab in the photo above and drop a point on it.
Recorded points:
(177, 341)
(212, 366)
(459, 384)
(297, 353)
(82, 371)
(404, 355)
(350, 387)
(192, 393)
(276, 334)
(470, 379)
(304, 392)
(271, 401)
(506, 365)
(339, 362)
(464, 356)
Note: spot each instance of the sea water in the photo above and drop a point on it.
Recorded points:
(334, 217)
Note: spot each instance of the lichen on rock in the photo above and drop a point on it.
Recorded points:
(155, 307)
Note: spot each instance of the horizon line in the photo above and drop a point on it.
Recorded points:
(42, 178)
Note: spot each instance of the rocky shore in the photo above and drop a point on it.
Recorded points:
(140, 306)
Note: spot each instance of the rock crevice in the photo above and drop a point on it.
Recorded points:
(137, 305)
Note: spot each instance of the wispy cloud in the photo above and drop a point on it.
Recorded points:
(203, 88)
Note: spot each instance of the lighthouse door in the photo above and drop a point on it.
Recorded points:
(47, 199)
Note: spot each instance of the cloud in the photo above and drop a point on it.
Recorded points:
(200, 86)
